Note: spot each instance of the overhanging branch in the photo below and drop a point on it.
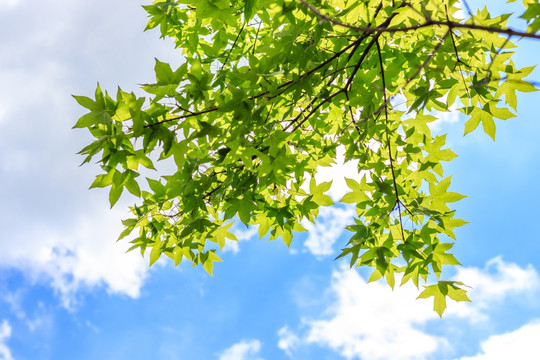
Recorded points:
(427, 23)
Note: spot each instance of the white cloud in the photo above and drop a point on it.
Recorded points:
(520, 344)
(443, 118)
(370, 321)
(242, 234)
(460, 14)
(54, 232)
(232, 246)
(40, 319)
(288, 340)
(492, 284)
(499, 279)
(337, 174)
(328, 227)
(8, 3)
(84, 256)
(244, 350)
(5, 334)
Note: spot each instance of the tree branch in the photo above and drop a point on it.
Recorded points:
(232, 47)
(313, 111)
(267, 92)
(429, 22)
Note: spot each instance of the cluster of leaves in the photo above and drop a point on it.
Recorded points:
(269, 90)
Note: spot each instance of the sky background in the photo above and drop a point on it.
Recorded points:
(68, 291)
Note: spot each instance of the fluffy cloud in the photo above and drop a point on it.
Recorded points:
(337, 174)
(492, 285)
(242, 234)
(520, 344)
(498, 279)
(370, 321)
(244, 350)
(328, 227)
(8, 3)
(85, 255)
(288, 340)
(5, 334)
(443, 118)
(54, 230)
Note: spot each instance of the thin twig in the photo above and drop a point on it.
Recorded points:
(256, 37)
(283, 87)
(388, 144)
(374, 17)
(418, 71)
(232, 47)
(352, 115)
(458, 59)
(360, 61)
(313, 111)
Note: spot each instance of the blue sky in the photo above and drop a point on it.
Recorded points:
(68, 291)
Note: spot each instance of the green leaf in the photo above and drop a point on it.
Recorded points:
(523, 86)
(450, 197)
(440, 291)
(222, 233)
(155, 253)
(456, 293)
(156, 186)
(439, 299)
(103, 180)
(133, 187)
(208, 260)
(178, 254)
(85, 102)
(94, 118)
(248, 10)
(489, 126)
(114, 194)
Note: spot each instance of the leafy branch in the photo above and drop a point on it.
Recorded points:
(295, 85)
(427, 23)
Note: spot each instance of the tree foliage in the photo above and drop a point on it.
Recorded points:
(270, 90)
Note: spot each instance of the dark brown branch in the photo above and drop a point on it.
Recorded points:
(256, 37)
(369, 25)
(325, 100)
(184, 109)
(191, 114)
(232, 47)
(313, 70)
(367, 32)
(358, 131)
(283, 87)
(429, 22)
(366, 50)
(458, 59)
(303, 111)
(360, 61)
(417, 72)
